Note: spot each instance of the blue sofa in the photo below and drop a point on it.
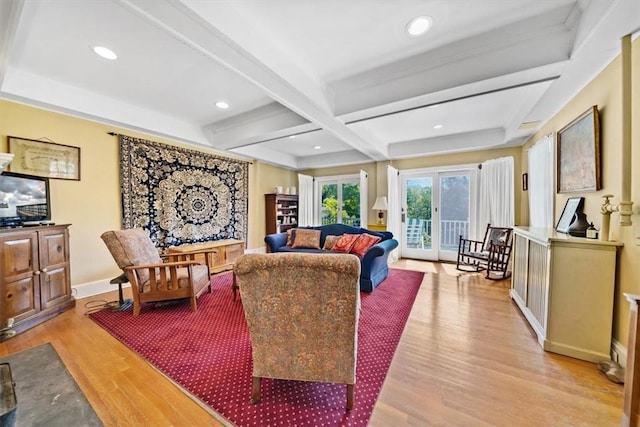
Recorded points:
(374, 264)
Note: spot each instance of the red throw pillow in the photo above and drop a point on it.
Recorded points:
(345, 243)
(363, 243)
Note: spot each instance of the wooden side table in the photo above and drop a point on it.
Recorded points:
(219, 255)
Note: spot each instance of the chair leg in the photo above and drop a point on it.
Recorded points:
(136, 307)
(350, 396)
(255, 390)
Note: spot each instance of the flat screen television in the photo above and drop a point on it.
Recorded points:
(24, 199)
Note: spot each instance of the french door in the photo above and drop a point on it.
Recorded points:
(436, 210)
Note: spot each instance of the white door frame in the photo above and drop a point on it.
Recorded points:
(433, 253)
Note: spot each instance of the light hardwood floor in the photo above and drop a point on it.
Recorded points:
(467, 357)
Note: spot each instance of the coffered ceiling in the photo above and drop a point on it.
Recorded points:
(312, 83)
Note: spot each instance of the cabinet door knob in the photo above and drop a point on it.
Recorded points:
(44, 270)
(36, 273)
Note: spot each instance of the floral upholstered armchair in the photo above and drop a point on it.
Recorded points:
(302, 311)
(152, 279)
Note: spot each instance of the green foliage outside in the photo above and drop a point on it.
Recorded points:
(350, 203)
(419, 200)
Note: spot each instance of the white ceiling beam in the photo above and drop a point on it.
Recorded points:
(268, 122)
(468, 141)
(183, 23)
(340, 158)
(514, 48)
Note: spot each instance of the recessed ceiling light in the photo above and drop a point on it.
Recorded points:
(419, 25)
(292, 136)
(317, 147)
(223, 105)
(438, 126)
(104, 52)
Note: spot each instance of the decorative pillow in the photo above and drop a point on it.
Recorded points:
(306, 238)
(363, 243)
(330, 241)
(290, 235)
(345, 242)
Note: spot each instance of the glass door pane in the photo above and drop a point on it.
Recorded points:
(340, 202)
(419, 228)
(329, 204)
(455, 207)
(351, 204)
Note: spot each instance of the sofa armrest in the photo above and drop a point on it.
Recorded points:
(380, 249)
(275, 241)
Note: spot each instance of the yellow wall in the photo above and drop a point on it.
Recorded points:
(266, 178)
(92, 205)
(605, 91)
(378, 171)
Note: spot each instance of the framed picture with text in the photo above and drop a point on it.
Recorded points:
(43, 158)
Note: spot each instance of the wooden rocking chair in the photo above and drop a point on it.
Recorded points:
(491, 254)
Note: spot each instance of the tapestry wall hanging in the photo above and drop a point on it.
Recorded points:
(180, 195)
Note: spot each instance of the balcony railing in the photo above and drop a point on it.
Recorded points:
(347, 221)
(450, 232)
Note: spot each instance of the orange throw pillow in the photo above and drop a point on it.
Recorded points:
(363, 243)
(345, 243)
(305, 238)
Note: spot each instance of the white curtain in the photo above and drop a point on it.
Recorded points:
(364, 202)
(305, 200)
(540, 183)
(393, 208)
(496, 203)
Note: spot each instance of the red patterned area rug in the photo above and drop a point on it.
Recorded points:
(208, 353)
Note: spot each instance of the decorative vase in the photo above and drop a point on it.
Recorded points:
(579, 225)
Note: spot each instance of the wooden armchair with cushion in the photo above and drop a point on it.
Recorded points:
(152, 279)
(491, 254)
(302, 311)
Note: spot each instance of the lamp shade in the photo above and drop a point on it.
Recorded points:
(380, 204)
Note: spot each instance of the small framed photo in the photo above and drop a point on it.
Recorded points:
(42, 158)
(573, 205)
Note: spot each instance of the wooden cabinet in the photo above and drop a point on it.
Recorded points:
(35, 282)
(565, 288)
(218, 254)
(281, 212)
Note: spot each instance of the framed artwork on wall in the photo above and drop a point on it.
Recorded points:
(578, 154)
(573, 205)
(43, 158)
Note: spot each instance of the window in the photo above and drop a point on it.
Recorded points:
(339, 200)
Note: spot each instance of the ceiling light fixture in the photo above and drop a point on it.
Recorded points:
(419, 25)
(317, 147)
(292, 136)
(104, 52)
(438, 126)
(222, 105)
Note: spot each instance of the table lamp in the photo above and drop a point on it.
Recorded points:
(380, 205)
